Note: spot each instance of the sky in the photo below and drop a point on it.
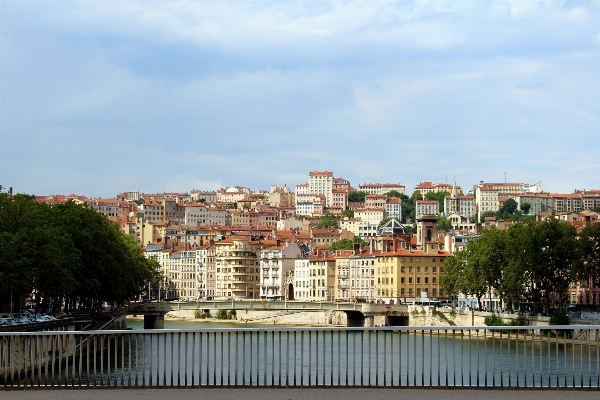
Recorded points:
(102, 97)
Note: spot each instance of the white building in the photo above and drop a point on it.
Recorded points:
(427, 207)
(275, 262)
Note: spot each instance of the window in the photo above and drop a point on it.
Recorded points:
(418, 280)
(418, 269)
(426, 280)
(433, 269)
(410, 280)
(401, 280)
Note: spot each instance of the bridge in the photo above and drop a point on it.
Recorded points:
(480, 357)
(358, 314)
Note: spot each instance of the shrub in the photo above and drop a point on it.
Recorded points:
(494, 320)
(222, 314)
(559, 317)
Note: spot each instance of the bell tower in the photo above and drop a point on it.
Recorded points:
(427, 233)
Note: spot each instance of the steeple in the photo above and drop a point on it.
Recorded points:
(454, 190)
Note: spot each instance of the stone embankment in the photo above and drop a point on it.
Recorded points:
(291, 317)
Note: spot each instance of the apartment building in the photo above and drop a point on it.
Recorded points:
(302, 287)
(238, 267)
(342, 184)
(322, 276)
(406, 274)
(427, 207)
(153, 210)
(110, 208)
(486, 197)
(321, 183)
(362, 276)
(281, 196)
(275, 263)
(375, 201)
(429, 187)
(393, 208)
(340, 199)
(381, 188)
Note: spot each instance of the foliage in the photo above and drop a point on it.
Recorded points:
(559, 317)
(247, 206)
(66, 252)
(347, 244)
(532, 261)
(440, 197)
(360, 241)
(201, 314)
(344, 244)
(222, 314)
(494, 320)
(525, 207)
(328, 221)
(444, 224)
(393, 193)
(349, 213)
(357, 196)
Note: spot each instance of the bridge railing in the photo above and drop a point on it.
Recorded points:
(531, 357)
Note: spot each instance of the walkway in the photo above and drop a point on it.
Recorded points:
(293, 394)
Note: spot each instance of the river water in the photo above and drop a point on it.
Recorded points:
(262, 354)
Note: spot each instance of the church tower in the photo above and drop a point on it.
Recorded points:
(427, 233)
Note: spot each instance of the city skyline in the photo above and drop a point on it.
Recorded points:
(101, 97)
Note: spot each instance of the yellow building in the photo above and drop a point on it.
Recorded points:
(238, 267)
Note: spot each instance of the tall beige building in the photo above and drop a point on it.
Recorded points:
(321, 183)
(238, 268)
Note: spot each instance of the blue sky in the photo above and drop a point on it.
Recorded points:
(100, 97)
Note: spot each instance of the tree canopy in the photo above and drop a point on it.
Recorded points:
(66, 253)
(357, 196)
(533, 261)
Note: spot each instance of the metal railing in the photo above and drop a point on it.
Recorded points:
(531, 357)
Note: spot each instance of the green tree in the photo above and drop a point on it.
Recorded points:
(394, 193)
(247, 206)
(589, 253)
(487, 214)
(328, 221)
(357, 196)
(439, 197)
(348, 213)
(525, 207)
(343, 244)
(452, 273)
(444, 224)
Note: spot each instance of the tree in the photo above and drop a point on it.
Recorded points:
(487, 214)
(343, 244)
(246, 206)
(393, 193)
(357, 196)
(328, 221)
(440, 197)
(525, 207)
(444, 224)
(589, 252)
(451, 276)
(348, 213)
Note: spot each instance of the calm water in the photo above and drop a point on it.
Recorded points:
(305, 356)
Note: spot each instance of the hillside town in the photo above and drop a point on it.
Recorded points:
(325, 240)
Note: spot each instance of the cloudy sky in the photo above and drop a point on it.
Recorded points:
(100, 97)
